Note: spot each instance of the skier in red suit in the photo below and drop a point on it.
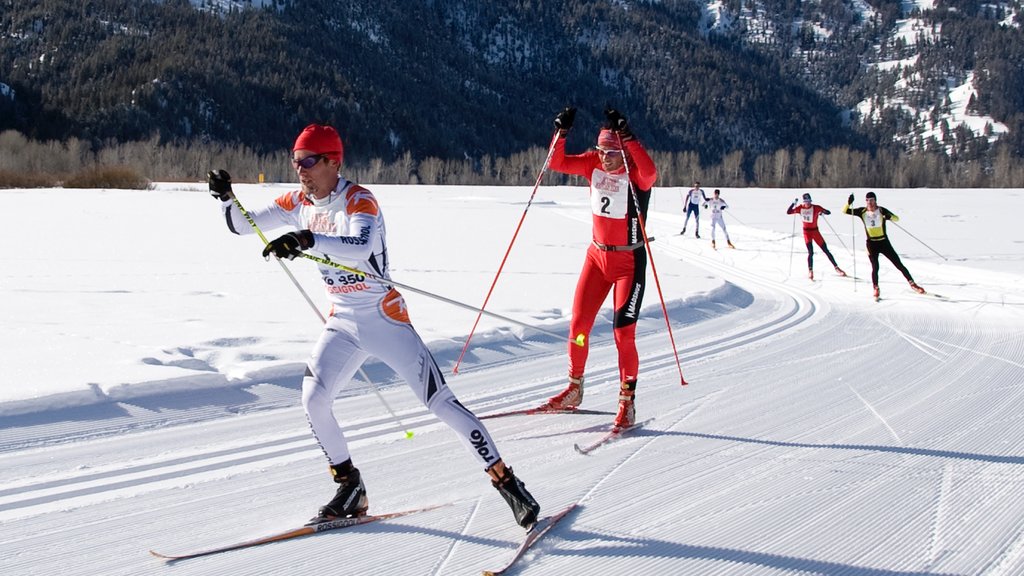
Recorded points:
(616, 258)
(809, 213)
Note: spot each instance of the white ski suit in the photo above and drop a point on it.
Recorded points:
(367, 317)
(717, 218)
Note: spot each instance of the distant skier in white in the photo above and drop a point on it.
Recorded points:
(716, 204)
(343, 221)
(691, 202)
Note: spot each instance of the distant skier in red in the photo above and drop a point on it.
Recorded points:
(616, 257)
(809, 213)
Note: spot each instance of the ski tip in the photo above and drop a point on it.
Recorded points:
(164, 557)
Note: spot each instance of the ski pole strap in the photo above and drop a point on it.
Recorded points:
(626, 248)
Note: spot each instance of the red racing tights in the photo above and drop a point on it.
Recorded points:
(602, 270)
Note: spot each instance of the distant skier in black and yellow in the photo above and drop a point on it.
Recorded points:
(874, 217)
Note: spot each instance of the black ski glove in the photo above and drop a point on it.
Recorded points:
(290, 245)
(220, 184)
(617, 123)
(849, 201)
(565, 118)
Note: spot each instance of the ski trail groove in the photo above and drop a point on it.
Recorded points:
(914, 341)
(454, 545)
(877, 415)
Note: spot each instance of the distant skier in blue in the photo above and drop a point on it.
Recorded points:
(692, 201)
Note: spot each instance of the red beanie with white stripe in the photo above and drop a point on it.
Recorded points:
(608, 140)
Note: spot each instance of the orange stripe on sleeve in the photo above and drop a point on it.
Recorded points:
(289, 200)
(359, 200)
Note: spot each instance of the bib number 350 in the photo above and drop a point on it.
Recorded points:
(344, 279)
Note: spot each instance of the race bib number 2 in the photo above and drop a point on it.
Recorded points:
(609, 195)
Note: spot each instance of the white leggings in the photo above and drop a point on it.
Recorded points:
(353, 334)
(718, 220)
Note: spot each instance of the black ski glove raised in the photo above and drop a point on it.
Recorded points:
(564, 119)
(290, 245)
(617, 123)
(849, 201)
(220, 184)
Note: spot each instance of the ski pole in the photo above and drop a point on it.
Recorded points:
(390, 282)
(362, 373)
(650, 255)
(919, 240)
(853, 242)
(733, 216)
(543, 169)
(838, 237)
(792, 243)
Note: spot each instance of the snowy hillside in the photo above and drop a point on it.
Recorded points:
(152, 363)
(935, 98)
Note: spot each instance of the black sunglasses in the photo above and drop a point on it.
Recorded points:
(309, 161)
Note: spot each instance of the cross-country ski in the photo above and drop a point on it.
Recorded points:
(307, 530)
(542, 527)
(544, 410)
(615, 433)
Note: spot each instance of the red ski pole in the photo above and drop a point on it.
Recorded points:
(650, 255)
(543, 169)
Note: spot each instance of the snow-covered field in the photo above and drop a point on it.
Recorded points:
(151, 364)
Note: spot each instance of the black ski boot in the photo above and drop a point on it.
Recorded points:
(523, 506)
(350, 500)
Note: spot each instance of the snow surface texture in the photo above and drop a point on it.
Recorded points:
(151, 366)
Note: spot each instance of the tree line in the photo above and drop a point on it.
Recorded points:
(30, 163)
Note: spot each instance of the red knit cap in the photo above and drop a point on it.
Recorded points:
(320, 139)
(608, 140)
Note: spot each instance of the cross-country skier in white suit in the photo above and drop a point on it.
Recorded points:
(343, 221)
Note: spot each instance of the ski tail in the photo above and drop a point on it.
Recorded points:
(324, 526)
(613, 434)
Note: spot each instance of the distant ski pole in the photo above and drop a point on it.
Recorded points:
(362, 373)
(853, 243)
(650, 256)
(836, 234)
(792, 244)
(733, 216)
(919, 240)
(540, 176)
